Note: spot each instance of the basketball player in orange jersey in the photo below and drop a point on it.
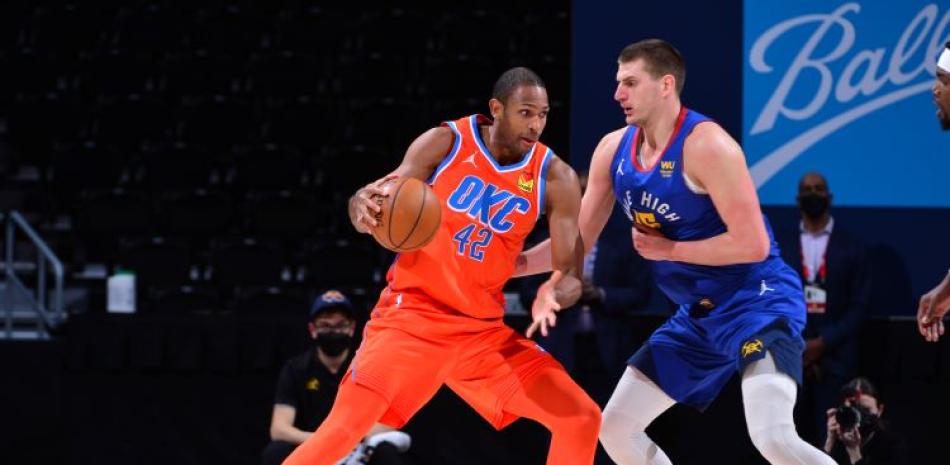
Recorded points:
(439, 320)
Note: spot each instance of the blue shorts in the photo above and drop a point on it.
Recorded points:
(695, 353)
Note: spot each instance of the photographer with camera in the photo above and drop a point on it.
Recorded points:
(856, 433)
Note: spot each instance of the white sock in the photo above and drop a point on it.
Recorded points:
(635, 403)
(769, 398)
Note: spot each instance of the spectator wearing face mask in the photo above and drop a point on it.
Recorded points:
(856, 433)
(308, 385)
(834, 272)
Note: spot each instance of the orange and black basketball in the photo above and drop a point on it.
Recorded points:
(410, 215)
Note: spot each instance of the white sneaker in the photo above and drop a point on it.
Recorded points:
(358, 456)
(401, 440)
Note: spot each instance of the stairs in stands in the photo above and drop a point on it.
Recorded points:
(31, 290)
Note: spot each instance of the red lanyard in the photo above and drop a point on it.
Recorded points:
(822, 269)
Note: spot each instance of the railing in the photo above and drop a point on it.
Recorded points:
(50, 312)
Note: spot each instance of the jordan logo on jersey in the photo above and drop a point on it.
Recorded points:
(470, 159)
(478, 199)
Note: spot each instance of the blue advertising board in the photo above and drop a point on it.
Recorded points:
(845, 88)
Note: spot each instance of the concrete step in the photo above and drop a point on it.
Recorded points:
(21, 313)
(24, 317)
(19, 267)
(23, 335)
(19, 302)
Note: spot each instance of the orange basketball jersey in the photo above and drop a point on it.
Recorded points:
(487, 211)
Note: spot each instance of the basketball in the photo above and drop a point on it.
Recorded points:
(410, 215)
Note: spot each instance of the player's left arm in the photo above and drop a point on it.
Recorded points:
(563, 198)
(563, 289)
(714, 160)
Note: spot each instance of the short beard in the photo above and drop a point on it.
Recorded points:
(945, 123)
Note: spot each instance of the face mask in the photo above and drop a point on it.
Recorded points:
(813, 205)
(869, 424)
(333, 343)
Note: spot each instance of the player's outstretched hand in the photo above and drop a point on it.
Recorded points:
(931, 309)
(544, 310)
(363, 207)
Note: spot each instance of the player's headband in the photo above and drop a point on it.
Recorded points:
(944, 61)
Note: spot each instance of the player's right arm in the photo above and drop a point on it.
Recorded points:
(420, 161)
(931, 309)
(596, 205)
(282, 425)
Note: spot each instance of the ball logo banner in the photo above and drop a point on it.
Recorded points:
(845, 88)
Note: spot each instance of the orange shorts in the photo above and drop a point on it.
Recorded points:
(409, 350)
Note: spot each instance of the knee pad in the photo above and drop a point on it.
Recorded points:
(618, 427)
(774, 440)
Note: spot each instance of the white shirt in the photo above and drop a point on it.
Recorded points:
(814, 246)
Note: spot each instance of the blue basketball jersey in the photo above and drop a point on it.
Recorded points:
(658, 197)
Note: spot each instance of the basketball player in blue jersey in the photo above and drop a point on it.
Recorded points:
(683, 182)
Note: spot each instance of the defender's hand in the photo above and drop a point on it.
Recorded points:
(544, 310)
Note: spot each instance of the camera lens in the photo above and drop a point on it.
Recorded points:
(847, 417)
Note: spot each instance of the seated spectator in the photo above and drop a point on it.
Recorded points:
(308, 384)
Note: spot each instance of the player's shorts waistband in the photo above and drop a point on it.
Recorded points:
(415, 300)
(395, 305)
(704, 305)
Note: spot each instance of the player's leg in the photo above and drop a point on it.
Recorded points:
(504, 376)
(354, 412)
(667, 369)
(550, 397)
(392, 375)
(635, 403)
(768, 396)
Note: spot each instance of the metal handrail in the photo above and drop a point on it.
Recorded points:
(49, 318)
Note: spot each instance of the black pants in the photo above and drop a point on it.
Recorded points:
(276, 451)
(814, 400)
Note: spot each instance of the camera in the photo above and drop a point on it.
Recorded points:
(855, 415)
